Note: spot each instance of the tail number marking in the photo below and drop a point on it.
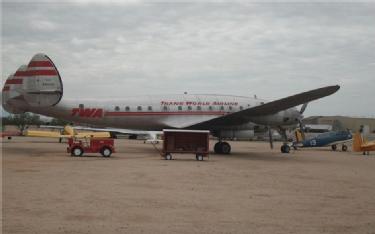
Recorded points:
(88, 112)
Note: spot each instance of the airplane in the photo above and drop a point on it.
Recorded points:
(362, 145)
(10, 134)
(38, 88)
(332, 138)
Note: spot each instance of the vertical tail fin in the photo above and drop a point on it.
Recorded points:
(357, 142)
(38, 85)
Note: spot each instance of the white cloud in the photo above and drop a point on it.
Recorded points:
(273, 50)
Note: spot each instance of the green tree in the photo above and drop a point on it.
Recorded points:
(22, 120)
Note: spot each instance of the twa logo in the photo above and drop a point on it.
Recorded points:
(88, 112)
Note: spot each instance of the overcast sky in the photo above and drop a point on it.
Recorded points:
(271, 50)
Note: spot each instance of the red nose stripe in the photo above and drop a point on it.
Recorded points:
(14, 81)
(42, 73)
(6, 88)
(36, 73)
(20, 73)
(40, 64)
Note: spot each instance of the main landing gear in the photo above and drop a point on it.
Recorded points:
(222, 147)
(285, 148)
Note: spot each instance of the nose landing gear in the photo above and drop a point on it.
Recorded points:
(285, 148)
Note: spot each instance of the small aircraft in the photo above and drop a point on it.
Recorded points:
(10, 134)
(362, 145)
(38, 88)
(67, 132)
(332, 138)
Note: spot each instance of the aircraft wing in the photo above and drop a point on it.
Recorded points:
(269, 108)
(339, 142)
(50, 134)
(151, 135)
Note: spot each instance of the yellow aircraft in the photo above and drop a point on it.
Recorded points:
(67, 132)
(360, 144)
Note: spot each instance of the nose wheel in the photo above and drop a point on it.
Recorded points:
(285, 149)
(222, 147)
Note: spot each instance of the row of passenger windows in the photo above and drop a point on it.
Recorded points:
(180, 108)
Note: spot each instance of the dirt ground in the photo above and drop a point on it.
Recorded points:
(254, 190)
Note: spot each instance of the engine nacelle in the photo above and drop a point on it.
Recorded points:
(237, 134)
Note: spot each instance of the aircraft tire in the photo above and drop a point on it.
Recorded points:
(285, 149)
(344, 148)
(225, 148)
(217, 148)
(334, 147)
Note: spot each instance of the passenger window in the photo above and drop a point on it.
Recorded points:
(222, 108)
(230, 107)
(127, 108)
(139, 108)
(199, 108)
(165, 108)
(117, 108)
(149, 108)
(180, 108)
(210, 108)
(190, 108)
(81, 106)
(241, 108)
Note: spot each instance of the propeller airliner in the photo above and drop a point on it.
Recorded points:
(38, 88)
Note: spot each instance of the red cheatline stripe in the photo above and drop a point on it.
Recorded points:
(40, 64)
(14, 81)
(6, 88)
(164, 113)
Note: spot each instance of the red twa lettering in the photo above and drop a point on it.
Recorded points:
(87, 112)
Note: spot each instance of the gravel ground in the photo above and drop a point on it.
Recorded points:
(254, 190)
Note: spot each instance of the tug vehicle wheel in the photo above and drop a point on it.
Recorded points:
(77, 151)
(106, 152)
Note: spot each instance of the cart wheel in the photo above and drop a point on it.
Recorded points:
(106, 152)
(168, 157)
(344, 148)
(77, 151)
(199, 157)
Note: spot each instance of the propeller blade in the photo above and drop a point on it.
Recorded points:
(302, 128)
(303, 108)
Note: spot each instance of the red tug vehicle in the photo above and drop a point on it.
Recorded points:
(105, 146)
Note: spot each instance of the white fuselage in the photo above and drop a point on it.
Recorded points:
(162, 111)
